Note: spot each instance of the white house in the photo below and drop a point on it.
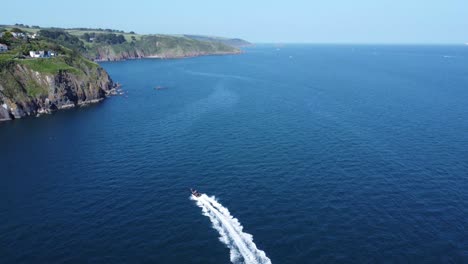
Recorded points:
(3, 47)
(37, 54)
(33, 36)
(42, 54)
(18, 34)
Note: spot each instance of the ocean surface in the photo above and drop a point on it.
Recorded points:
(305, 153)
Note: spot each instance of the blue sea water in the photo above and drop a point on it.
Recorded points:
(325, 154)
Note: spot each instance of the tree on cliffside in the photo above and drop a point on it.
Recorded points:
(7, 38)
(110, 38)
(63, 38)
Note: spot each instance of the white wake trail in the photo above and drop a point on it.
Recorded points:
(241, 245)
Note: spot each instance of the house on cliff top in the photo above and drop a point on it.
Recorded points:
(3, 47)
(37, 54)
(42, 54)
(18, 35)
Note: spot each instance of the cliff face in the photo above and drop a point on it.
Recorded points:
(26, 92)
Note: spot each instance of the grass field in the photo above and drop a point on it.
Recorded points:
(47, 65)
(78, 33)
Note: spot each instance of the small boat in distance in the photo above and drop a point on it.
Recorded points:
(195, 193)
(159, 87)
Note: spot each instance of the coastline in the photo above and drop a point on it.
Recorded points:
(172, 57)
(39, 111)
(47, 111)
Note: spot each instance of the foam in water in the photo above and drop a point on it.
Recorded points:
(241, 245)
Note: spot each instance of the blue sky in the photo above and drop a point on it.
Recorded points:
(325, 21)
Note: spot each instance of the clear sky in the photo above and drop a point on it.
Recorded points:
(324, 21)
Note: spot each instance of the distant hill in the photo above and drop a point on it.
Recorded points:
(156, 46)
(235, 42)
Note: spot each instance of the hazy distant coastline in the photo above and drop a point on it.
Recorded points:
(46, 69)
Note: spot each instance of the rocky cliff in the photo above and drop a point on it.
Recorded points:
(27, 90)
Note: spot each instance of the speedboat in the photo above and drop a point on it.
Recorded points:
(195, 192)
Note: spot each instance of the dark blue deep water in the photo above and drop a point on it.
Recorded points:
(326, 154)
